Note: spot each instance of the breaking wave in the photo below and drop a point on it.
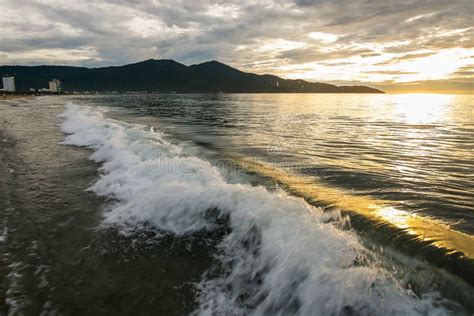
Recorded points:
(281, 255)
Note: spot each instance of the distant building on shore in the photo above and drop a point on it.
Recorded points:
(55, 86)
(8, 83)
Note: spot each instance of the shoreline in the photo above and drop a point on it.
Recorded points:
(9, 97)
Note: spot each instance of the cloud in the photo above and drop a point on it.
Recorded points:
(391, 72)
(404, 57)
(319, 40)
(466, 72)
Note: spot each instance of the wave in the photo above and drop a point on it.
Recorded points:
(281, 255)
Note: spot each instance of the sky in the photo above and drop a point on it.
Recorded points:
(394, 45)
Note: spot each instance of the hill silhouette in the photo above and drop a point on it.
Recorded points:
(166, 75)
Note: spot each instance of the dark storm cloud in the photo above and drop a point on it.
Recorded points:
(120, 31)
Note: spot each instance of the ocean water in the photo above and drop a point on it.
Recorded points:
(259, 204)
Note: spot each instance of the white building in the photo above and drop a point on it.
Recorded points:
(9, 83)
(55, 86)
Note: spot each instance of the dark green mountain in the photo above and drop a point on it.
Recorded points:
(165, 76)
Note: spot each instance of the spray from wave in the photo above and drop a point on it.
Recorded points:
(281, 255)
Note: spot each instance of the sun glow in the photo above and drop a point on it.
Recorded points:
(437, 66)
(382, 68)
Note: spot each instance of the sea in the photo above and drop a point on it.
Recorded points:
(237, 204)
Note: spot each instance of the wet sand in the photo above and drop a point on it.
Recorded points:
(9, 97)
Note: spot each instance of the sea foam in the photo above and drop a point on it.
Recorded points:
(282, 256)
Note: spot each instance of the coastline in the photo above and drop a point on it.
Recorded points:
(9, 97)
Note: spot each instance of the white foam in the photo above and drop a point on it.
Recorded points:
(281, 254)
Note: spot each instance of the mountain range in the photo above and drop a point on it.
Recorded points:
(166, 75)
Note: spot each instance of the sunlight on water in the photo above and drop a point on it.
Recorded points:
(401, 160)
(422, 108)
(396, 217)
(424, 228)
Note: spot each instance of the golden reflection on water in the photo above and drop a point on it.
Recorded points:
(396, 217)
(407, 129)
(424, 228)
(422, 108)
